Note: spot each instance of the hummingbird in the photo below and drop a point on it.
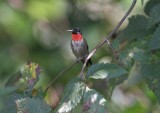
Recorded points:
(79, 45)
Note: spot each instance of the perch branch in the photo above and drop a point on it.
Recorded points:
(107, 38)
(60, 75)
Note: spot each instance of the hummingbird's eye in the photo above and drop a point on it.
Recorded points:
(77, 30)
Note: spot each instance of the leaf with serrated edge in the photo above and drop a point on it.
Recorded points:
(72, 95)
(154, 15)
(150, 72)
(136, 29)
(102, 71)
(94, 102)
(32, 105)
(155, 41)
(149, 5)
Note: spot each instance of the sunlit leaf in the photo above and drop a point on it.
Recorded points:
(72, 95)
(102, 71)
(32, 105)
(94, 102)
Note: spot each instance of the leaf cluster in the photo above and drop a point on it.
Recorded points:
(22, 96)
(142, 44)
(142, 36)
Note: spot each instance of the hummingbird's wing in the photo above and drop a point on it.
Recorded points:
(86, 44)
(89, 61)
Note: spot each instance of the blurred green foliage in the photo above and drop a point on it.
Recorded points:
(35, 31)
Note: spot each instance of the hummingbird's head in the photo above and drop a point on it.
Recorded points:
(76, 34)
(77, 31)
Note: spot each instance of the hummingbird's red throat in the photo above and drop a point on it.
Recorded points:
(76, 37)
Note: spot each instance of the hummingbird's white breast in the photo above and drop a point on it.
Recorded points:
(79, 48)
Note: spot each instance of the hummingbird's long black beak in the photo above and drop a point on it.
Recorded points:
(70, 30)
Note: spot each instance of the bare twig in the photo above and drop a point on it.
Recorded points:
(107, 38)
(97, 47)
(60, 75)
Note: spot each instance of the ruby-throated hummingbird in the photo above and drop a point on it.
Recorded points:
(79, 45)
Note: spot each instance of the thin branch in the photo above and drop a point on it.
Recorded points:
(60, 75)
(107, 38)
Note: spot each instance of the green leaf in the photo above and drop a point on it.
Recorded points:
(151, 70)
(150, 4)
(155, 41)
(32, 105)
(72, 95)
(7, 99)
(154, 15)
(94, 102)
(125, 58)
(139, 54)
(135, 51)
(136, 29)
(102, 71)
(9, 103)
(151, 74)
(77, 109)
